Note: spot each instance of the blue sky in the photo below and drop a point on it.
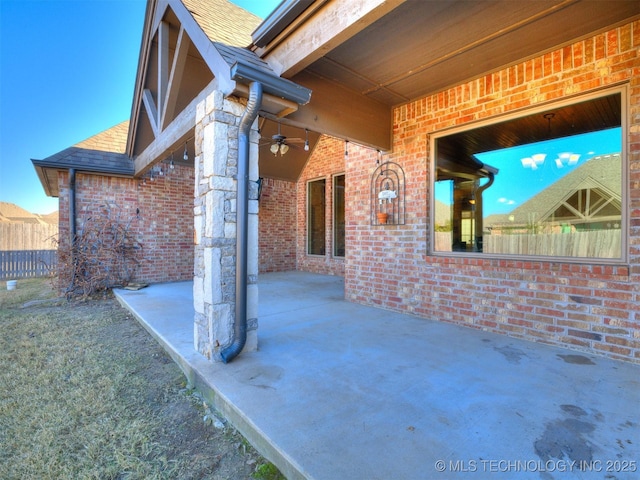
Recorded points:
(67, 72)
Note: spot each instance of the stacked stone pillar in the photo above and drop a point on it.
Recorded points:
(216, 143)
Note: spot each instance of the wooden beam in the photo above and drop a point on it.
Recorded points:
(333, 24)
(343, 113)
(161, 9)
(205, 47)
(175, 133)
(175, 77)
(163, 67)
(152, 111)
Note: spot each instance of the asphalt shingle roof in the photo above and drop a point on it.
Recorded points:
(101, 153)
(224, 22)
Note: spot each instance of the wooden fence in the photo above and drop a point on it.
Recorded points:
(587, 244)
(27, 263)
(27, 236)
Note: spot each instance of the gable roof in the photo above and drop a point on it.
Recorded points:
(101, 154)
(190, 48)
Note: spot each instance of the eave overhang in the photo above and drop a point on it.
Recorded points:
(83, 161)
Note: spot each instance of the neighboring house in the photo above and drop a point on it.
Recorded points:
(376, 105)
(584, 199)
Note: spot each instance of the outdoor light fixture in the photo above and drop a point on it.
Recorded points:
(186, 155)
(346, 149)
(279, 148)
(306, 140)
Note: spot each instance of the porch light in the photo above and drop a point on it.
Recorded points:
(279, 148)
(346, 149)
(186, 155)
(306, 140)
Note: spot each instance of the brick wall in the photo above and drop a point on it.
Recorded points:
(277, 223)
(160, 215)
(593, 308)
(326, 160)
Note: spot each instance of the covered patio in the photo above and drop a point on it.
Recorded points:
(340, 390)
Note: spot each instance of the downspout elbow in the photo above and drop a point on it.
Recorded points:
(242, 224)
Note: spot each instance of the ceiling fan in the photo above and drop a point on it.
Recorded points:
(280, 144)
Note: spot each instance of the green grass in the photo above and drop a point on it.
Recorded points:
(86, 394)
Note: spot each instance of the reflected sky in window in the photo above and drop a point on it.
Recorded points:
(526, 170)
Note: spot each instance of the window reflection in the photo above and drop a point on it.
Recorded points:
(561, 196)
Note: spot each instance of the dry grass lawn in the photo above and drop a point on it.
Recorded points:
(86, 393)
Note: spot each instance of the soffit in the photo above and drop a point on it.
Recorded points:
(422, 47)
(290, 165)
(419, 48)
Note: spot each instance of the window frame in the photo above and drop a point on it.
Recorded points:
(308, 215)
(623, 91)
(333, 215)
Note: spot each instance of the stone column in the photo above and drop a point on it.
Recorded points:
(216, 143)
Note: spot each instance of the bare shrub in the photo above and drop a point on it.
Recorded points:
(105, 254)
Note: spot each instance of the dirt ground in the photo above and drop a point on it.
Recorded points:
(85, 392)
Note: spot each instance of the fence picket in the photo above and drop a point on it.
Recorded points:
(27, 263)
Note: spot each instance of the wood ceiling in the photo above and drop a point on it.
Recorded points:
(422, 47)
(584, 117)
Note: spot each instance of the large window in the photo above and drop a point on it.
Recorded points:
(338, 216)
(545, 184)
(316, 224)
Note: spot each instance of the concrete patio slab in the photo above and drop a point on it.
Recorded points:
(343, 391)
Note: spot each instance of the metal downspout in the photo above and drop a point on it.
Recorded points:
(72, 206)
(72, 224)
(242, 223)
(479, 213)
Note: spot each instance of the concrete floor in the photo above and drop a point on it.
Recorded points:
(343, 391)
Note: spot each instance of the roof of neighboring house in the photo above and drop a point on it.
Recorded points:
(602, 171)
(102, 153)
(12, 213)
(223, 21)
